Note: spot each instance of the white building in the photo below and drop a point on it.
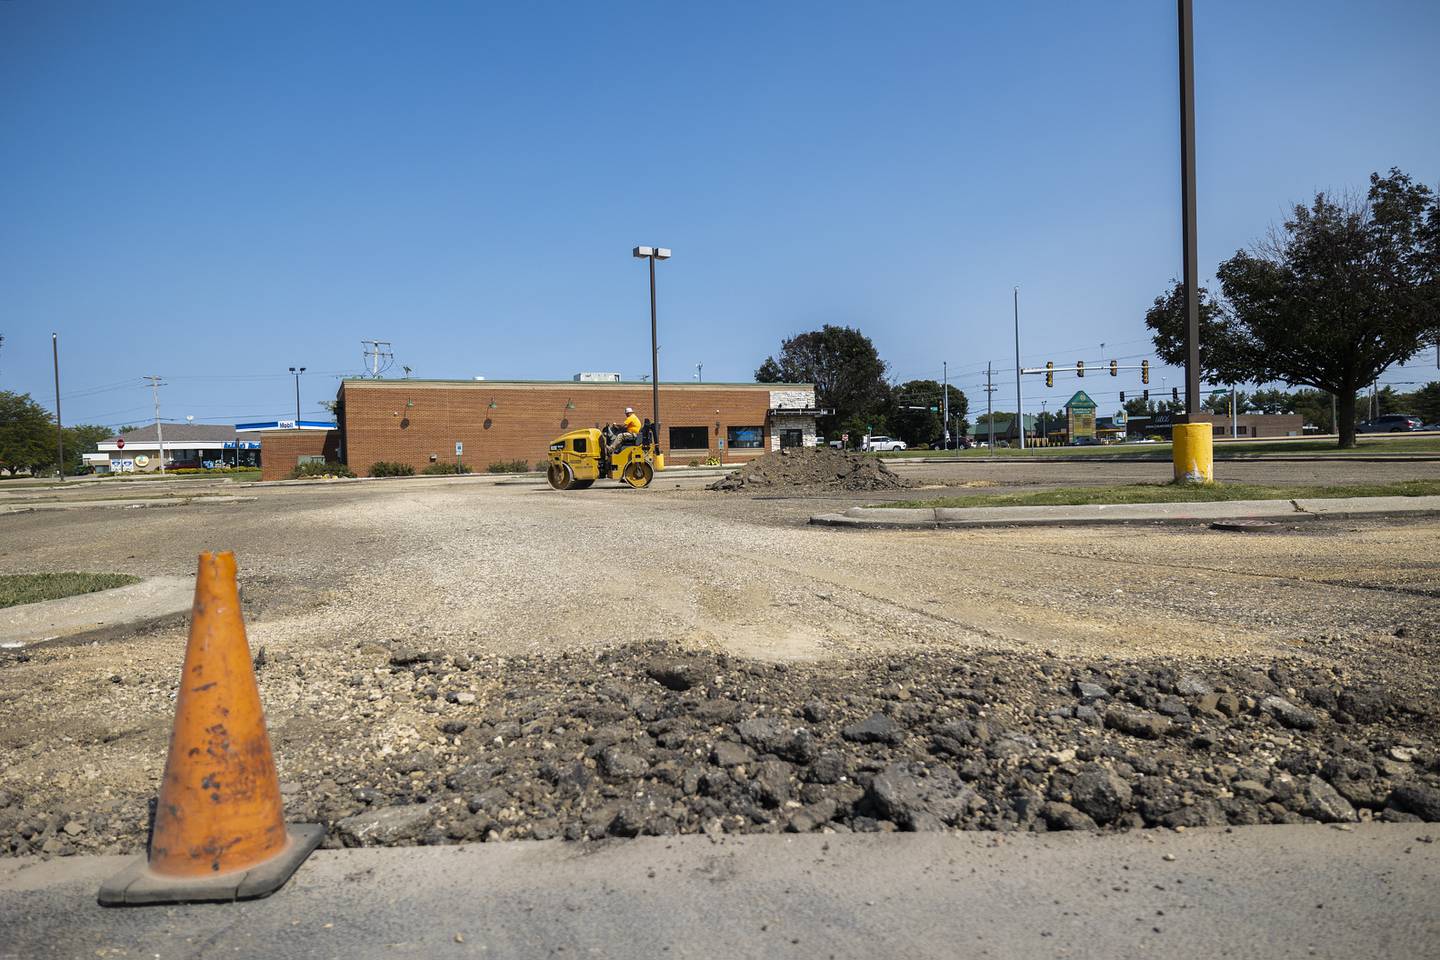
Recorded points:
(186, 445)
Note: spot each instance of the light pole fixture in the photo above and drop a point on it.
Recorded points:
(652, 254)
(296, 371)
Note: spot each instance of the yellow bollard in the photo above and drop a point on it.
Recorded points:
(1194, 453)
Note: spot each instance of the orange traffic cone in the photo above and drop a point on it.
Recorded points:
(219, 830)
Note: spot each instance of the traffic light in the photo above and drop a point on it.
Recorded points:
(1114, 368)
(1049, 373)
(1079, 368)
(1175, 393)
(1122, 396)
(1145, 395)
(1145, 372)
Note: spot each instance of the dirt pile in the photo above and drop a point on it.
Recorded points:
(650, 739)
(813, 468)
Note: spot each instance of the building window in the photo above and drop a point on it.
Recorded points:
(742, 438)
(792, 438)
(689, 438)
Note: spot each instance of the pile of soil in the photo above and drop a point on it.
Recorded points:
(813, 467)
(650, 739)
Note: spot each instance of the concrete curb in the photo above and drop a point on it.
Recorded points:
(97, 616)
(1284, 511)
(127, 504)
(1359, 892)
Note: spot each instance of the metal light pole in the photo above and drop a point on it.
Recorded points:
(295, 372)
(1019, 404)
(1187, 207)
(652, 254)
(700, 372)
(59, 427)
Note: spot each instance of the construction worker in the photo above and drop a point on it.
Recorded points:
(627, 432)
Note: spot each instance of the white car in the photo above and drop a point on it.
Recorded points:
(884, 444)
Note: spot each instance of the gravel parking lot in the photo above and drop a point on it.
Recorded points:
(414, 629)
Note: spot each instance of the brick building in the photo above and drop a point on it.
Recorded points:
(419, 422)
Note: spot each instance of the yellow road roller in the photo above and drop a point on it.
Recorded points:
(580, 457)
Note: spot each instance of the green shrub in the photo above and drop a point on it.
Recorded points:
(327, 471)
(188, 471)
(443, 468)
(712, 461)
(389, 468)
(508, 466)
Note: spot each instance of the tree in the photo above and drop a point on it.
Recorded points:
(1218, 403)
(923, 425)
(27, 433)
(1272, 400)
(82, 439)
(1426, 402)
(847, 371)
(1345, 288)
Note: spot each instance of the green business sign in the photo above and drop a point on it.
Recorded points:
(1081, 401)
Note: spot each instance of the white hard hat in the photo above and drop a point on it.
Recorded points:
(629, 409)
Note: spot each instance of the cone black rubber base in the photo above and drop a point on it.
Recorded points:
(137, 885)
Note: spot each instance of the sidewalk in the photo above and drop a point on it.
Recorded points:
(129, 503)
(938, 518)
(94, 616)
(1310, 891)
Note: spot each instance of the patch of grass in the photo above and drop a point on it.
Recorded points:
(1224, 449)
(18, 588)
(1175, 493)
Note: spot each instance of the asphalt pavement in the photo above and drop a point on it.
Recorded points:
(1277, 891)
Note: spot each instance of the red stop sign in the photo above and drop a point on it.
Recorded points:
(120, 443)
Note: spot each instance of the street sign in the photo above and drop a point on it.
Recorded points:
(120, 443)
(459, 448)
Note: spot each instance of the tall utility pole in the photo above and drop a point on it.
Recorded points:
(652, 254)
(155, 386)
(1234, 412)
(700, 371)
(1187, 207)
(59, 427)
(945, 402)
(990, 402)
(1019, 405)
(295, 372)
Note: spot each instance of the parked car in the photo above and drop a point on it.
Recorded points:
(1432, 426)
(1390, 423)
(1084, 442)
(884, 444)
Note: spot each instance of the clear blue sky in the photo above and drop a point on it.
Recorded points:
(213, 192)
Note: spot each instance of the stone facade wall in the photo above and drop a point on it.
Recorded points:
(792, 398)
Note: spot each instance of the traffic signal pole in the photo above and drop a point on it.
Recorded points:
(1193, 449)
(1187, 201)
